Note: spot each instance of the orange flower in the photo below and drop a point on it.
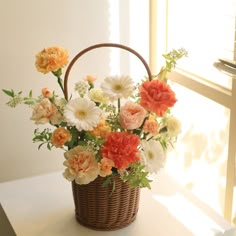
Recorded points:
(121, 148)
(150, 126)
(46, 93)
(156, 96)
(90, 79)
(105, 167)
(51, 59)
(102, 130)
(60, 136)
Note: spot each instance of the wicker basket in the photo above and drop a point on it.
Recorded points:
(98, 207)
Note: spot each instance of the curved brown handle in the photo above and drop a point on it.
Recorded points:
(99, 46)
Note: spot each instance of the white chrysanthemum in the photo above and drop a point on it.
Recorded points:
(116, 87)
(173, 126)
(81, 87)
(83, 113)
(152, 156)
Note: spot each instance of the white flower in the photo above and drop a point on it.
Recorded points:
(117, 87)
(152, 156)
(83, 113)
(173, 126)
(81, 87)
(97, 95)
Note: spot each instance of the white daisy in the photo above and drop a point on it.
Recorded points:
(152, 156)
(83, 113)
(116, 87)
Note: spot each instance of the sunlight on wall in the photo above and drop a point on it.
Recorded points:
(199, 159)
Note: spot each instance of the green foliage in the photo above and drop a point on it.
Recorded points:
(17, 98)
(171, 59)
(43, 137)
(137, 176)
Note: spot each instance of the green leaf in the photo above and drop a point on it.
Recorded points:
(9, 92)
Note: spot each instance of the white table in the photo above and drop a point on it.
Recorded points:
(43, 206)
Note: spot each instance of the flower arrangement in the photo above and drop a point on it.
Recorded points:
(118, 127)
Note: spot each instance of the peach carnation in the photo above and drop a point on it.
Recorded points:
(105, 167)
(51, 59)
(60, 136)
(150, 126)
(131, 115)
(156, 96)
(81, 165)
(121, 148)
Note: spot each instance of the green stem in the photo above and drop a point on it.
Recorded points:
(59, 80)
(118, 105)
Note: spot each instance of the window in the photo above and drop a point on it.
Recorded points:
(206, 29)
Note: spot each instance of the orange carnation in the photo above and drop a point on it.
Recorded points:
(60, 136)
(102, 130)
(51, 59)
(121, 148)
(156, 96)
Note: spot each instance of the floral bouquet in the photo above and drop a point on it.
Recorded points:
(119, 127)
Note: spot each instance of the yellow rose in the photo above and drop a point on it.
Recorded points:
(51, 59)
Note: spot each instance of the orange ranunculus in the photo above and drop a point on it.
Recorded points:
(60, 136)
(51, 59)
(105, 167)
(156, 96)
(121, 148)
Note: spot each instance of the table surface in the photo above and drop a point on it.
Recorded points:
(43, 206)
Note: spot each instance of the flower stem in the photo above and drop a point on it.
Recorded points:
(118, 105)
(59, 80)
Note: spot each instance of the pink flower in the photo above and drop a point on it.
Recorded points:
(81, 165)
(156, 96)
(105, 167)
(121, 148)
(131, 115)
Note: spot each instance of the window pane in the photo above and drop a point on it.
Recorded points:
(206, 29)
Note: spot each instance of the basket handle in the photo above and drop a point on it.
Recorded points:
(99, 46)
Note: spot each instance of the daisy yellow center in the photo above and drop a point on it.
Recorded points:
(117, 87)
(81, 114)
(150, 155)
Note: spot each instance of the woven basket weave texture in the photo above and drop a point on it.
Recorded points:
(101, 208)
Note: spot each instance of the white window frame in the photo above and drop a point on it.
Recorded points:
(208, 89)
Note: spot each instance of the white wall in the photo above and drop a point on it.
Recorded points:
(27, 26)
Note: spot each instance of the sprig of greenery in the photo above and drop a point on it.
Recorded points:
(44, 137)
(171, 59)
(17, 98)
(137, 176)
